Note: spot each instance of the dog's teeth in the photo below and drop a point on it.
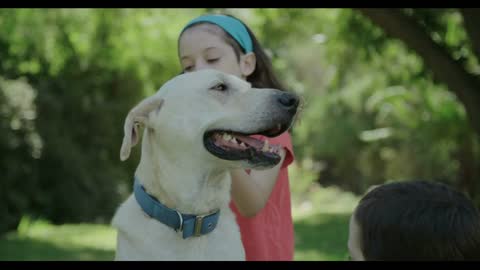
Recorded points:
(243, 145)
(226, 137)
(265, 146)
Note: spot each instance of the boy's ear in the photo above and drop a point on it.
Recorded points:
(371, 188)
(248, 63)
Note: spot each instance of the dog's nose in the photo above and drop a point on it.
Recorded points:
(289, 102)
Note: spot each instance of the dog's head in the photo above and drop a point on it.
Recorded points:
(211, 115)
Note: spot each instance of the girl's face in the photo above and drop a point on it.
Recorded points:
(202, 46)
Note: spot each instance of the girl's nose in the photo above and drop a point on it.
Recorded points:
(200, 65)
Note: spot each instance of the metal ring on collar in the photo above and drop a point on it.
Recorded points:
(181, 221)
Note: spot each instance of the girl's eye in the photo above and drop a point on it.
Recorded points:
(219, 87)
(187, 68)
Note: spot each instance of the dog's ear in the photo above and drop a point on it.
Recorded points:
(136, 117)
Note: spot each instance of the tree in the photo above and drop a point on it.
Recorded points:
(421, 30)
(453, 61)
(67, 80)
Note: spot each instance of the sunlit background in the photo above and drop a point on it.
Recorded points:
(390, 95)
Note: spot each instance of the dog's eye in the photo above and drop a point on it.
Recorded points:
(219, 87)
(213, 60)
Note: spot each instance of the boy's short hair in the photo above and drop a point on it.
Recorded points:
(418, 220)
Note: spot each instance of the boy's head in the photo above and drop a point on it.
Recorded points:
(415, 220)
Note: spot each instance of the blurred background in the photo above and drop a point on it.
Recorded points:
(390, 95)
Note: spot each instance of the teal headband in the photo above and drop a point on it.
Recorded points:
(232, 26)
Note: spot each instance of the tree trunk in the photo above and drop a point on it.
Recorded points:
(471, 21)
(436, 58)
(466, 173)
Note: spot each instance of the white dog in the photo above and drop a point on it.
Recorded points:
(197, 127)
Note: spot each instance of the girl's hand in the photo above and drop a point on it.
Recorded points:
(250, 192)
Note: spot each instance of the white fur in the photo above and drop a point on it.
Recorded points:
(176, 168)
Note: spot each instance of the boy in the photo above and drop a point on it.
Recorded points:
(415, 220)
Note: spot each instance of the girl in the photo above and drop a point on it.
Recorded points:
(260, 199)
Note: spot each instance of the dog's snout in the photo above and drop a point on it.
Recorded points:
(289, 102)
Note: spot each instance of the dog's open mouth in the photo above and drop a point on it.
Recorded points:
(231, 145)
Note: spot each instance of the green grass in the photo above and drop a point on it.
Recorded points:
(321, 237)
(318, 237)
(320, 218)
(42, 241)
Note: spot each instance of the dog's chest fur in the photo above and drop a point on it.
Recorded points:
(143, 238)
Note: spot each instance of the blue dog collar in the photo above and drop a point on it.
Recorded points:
(189, 225)
(232, 26)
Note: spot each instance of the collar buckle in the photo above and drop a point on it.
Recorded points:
(197, 231)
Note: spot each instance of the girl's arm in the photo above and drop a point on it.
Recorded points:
(250, 192)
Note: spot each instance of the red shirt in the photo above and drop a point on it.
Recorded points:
(269, 235)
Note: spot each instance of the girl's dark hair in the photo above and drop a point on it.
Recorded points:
(418, 220)
(263, 75)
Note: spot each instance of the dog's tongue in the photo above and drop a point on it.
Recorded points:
(253, 140)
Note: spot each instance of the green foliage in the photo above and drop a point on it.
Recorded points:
(20, 146)
(372, 113)
(62, 123)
